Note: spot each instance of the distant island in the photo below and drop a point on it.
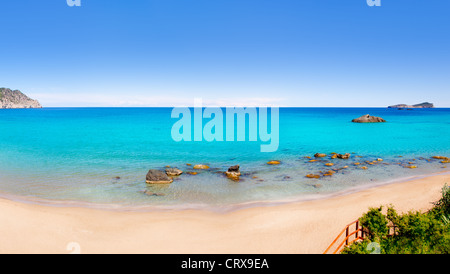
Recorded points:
(16, 99)
(422, 105)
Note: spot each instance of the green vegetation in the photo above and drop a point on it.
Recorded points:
(415, 232)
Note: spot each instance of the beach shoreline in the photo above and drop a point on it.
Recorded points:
(288, 227)
(215, 208)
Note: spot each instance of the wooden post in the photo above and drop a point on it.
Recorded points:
(346, 236)
(357, 224)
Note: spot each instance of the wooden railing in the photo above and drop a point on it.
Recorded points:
(353, 232)
(357, 234)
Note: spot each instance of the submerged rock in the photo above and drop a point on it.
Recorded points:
(440, 157)
(320, 155)
(368, 119)
(172, 171)
(201, 167)
(150, 193)
(157, 177)
(312, 176)
(192, 173)
(329, 173)
(273, 162)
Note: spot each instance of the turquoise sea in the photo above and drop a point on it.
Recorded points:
(75, 155)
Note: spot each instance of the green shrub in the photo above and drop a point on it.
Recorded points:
(415, 233)
(376, 223)
(443, 205)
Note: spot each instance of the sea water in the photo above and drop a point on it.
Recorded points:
(100, 156)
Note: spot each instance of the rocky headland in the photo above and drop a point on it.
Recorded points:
(16, 99)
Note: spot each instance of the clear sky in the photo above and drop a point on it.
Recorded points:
(244, 52)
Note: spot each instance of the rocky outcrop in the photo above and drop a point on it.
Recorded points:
(421, 105)
(368, 119)
(16, 99)
(233, 173)
(157, 177)
(343, 156)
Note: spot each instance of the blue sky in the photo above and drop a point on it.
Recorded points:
(243, 52)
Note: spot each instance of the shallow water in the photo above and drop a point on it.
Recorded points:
(75, 154)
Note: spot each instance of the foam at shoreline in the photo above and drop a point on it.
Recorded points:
(207, 207)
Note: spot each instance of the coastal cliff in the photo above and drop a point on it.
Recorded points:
(422, 105)
(16, 99)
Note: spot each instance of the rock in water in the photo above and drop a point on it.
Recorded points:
(16, 99)
(312, 176)
(233, 173)
(343, 156)
(320, 155)
(368, 119)
(173, 171)
(157, 177)
(440, 157)
(201, 167)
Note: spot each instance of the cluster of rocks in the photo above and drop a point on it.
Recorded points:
(155, 176)
(331, 172)
(445, 160)
(167, 176)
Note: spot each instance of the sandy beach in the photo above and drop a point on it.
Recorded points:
(300, 227)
